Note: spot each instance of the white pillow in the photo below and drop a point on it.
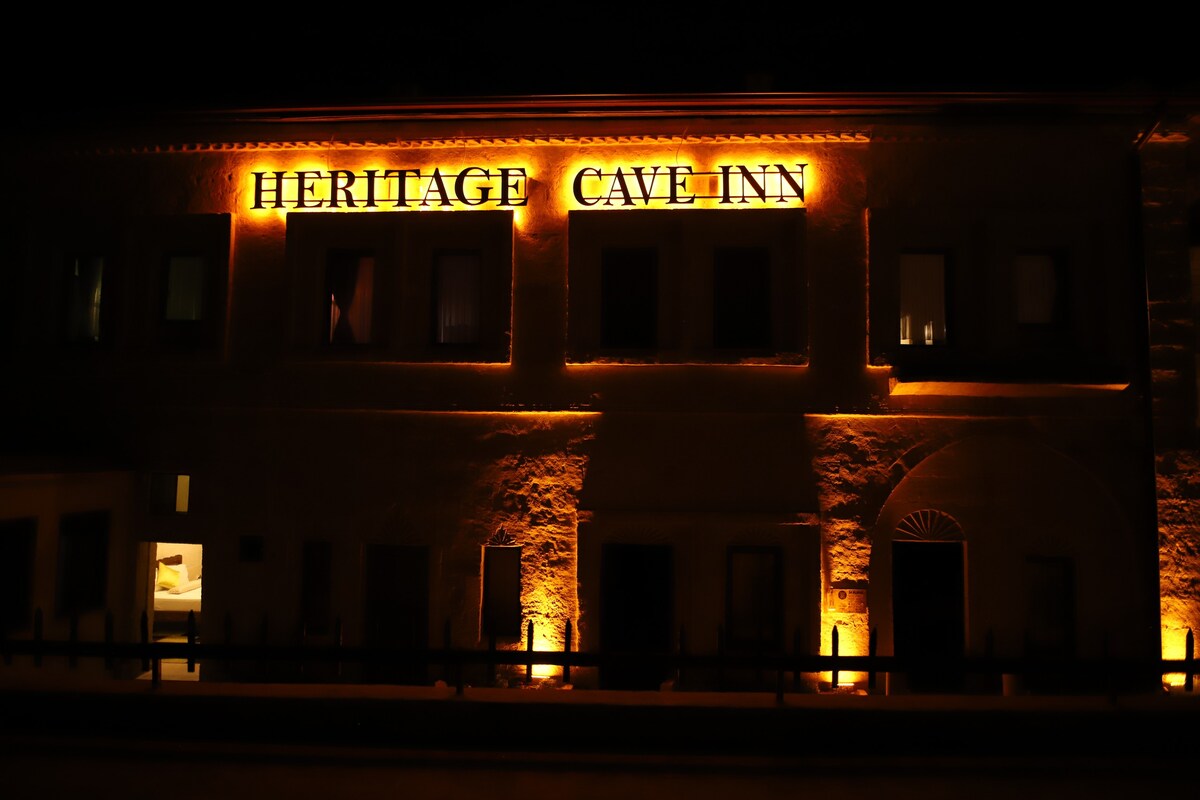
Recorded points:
(186, 587)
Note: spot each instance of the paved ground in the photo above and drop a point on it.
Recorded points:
(223, 740)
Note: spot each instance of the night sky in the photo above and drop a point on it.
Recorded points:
(108, 67)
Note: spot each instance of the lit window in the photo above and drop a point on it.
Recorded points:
(456, 298)
(186, 279)
(742, 298)
(84, 282)
(349, 291)
(922, 299)
(169, 493)
(629, 297)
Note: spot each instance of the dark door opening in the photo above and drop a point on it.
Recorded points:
(637, 589)
(929, 613)
(396, 613)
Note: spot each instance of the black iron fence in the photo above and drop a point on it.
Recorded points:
(782, 671)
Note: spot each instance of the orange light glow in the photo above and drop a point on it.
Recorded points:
(397, 183)
(729, 178)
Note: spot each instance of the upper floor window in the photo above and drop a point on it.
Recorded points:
(186, 286)
(629, 298)
(456, 297)
(922, 298)
(350, 291)
(84, 298)
(742, 298)
(1000, 297)
(402, 285)
(700, 286)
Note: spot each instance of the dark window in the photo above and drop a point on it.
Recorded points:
(1041, 292)
(84, 298)
(169, 493)
(17, 538)
(742, 298)
(186, 282)
(754, 598)
(456, 298)
(250, 548)
(316, 587)
(501, 607)
(349, 296)
(629, 298)
(82, 561)
(922, 299)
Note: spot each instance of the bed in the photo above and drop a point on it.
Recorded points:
(175, 592)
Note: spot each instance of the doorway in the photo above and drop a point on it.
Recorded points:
(929, 612)
(637, 591)
(396, 613)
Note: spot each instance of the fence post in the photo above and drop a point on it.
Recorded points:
(144, 633)
(680, 669)
(191, 640)
(491, 663)
(37, 637)
(796, 639)
(108, 640)
(337, 645)
(872, 647)
(720, 658)
(1189, 656)
(74, 640)
(833, 673)
(566, 670)
(228, 641)
(529, 653)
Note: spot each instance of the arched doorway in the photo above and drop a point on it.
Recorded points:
(929, 599)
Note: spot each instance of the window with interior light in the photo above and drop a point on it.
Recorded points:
(402, 286)
(1006, 297)
(679, 286)
(85, 304)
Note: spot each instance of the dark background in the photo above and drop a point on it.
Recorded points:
(86, 67)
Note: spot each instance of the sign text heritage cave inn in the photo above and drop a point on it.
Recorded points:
(732, 185)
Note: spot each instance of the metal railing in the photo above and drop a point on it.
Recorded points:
(780, 670)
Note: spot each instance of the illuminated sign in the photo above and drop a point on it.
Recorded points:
(681, 185)
(390, 189)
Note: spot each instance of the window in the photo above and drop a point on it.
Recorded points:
(456, 298)
(754, 598)
(922, 299)
(17, 540)
(316, 587)
(742, 298)
(169, 493)
(186, 288)
(402, 286)
(349, 290)
(251, 549)
(629, 298)
(82, 562)
(687, 286)
(500, 613)
(84, 295)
